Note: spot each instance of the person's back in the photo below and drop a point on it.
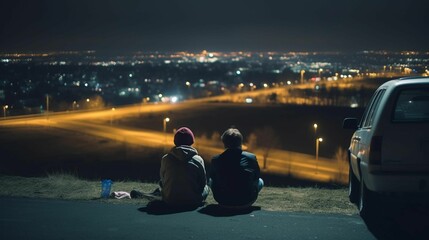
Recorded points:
(234, 174)
(183, 175)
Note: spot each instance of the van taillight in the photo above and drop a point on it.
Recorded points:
(375, 150)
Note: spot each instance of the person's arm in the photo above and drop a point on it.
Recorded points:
(252, 166)
(200, 171)
(212, 171)
(257, 174)
(163, 168)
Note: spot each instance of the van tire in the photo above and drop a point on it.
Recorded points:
(353, 186)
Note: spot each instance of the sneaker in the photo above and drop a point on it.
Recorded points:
(156, 192)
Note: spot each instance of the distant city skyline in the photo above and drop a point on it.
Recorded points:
(191, 25)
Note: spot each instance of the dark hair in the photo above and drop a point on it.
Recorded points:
(232, 138)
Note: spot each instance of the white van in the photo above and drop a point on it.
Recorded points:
(389, 151)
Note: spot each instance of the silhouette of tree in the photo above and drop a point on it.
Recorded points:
(342, 164)
(251, 142)
(215, 138)
(266, 140)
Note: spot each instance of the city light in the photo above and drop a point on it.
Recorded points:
(4, 110)
(165, 121)
(318, 140)
(111, 116)
(324, 77)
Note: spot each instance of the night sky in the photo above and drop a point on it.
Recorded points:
(217, 25)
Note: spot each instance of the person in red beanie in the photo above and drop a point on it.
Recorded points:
(183, 174)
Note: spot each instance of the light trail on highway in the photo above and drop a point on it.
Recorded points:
(98, 123)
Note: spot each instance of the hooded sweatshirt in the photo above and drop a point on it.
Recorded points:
(183, 176)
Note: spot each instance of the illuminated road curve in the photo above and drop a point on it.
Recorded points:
(96, 123)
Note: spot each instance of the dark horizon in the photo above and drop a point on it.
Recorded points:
(221, 26)
(125, 53)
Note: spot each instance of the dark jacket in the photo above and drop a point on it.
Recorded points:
(183, 176)
(234, 177)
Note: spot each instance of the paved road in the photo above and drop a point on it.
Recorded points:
(52, 219)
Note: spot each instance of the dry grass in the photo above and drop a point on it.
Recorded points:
(69, 187)
(306, 199)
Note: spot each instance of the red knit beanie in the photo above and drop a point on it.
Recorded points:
(183, 136)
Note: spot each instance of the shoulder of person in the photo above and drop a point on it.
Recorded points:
(248, 154)
(167, 156)
(197, 161)
(216, 157)
(198, 158)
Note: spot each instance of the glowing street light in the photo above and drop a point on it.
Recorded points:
(144, 101)
(318, 140)
(111, 116)
(315, 129)
(4, 110)
(165, 121)
(302, 76)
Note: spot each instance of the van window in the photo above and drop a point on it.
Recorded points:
(412, 105)
(372, 109)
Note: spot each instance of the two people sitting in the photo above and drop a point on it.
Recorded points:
(234, 176)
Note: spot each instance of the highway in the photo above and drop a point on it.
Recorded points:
(99, 123)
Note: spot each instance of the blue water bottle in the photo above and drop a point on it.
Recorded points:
(106, 185)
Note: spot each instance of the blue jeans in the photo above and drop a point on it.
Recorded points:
(260, 184)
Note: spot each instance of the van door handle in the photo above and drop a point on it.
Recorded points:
(356, 138)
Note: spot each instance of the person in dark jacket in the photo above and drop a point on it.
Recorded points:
(235, 175)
